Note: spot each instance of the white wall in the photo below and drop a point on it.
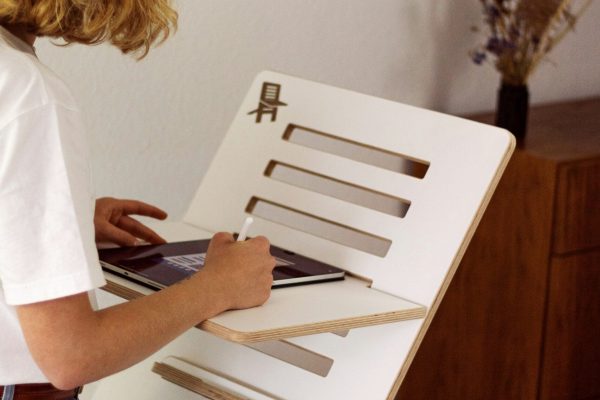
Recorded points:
(155, 125)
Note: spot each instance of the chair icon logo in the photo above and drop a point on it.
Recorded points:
(269, 101)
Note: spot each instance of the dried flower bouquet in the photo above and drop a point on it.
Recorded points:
(522, 32)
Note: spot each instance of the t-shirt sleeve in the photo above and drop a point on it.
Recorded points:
(47, 246)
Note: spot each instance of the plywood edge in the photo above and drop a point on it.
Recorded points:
(313, 328)
(454, 266)
(192, 383)
(207, 381)
(121, 290)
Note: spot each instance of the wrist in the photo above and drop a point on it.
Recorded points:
(213, 290)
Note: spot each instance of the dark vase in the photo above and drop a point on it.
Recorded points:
(512, 108)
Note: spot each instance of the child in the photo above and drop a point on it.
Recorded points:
(53, 342)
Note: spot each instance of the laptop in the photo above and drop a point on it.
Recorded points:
(159, 266)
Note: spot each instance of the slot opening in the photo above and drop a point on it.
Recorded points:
(356, 151)
(319, 227)
(336, 188)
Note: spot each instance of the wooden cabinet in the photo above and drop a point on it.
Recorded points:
(521, 319)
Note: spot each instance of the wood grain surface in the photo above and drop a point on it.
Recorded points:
(571, 362)
(577, 225)
(561, 132)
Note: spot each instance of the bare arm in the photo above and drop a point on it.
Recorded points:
(74, 345)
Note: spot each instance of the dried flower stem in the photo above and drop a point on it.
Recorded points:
(570, 26)
(546, 39)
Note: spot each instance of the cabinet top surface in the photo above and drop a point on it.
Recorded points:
(562, 132)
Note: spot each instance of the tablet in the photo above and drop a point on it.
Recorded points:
(159, 266)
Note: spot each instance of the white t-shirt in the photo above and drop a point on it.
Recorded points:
(47, 247)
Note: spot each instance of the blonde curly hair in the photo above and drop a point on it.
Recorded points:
(131, 25)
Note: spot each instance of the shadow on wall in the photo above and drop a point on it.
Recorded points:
(445, 29)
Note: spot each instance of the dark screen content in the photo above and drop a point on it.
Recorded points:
(173, 262)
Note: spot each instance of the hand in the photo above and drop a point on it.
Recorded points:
(113, 223)
(240, 272)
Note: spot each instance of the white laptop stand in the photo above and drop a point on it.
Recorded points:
(388, 192)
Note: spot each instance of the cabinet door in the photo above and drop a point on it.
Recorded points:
(571, 360)
(577, 225)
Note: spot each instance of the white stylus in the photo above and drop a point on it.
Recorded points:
(244, 231)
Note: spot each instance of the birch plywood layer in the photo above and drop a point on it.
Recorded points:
(413, 255)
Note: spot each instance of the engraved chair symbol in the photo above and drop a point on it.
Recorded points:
(269, 101)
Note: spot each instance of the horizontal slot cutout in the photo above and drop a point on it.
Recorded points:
(338, 189)
(319, 227)
(356, 151)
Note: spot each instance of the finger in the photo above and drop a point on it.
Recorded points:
(261, 242)
(220, 239)
(141, 208)
(139, 230)
(272, 263)
(111, 233)
(106, 207)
